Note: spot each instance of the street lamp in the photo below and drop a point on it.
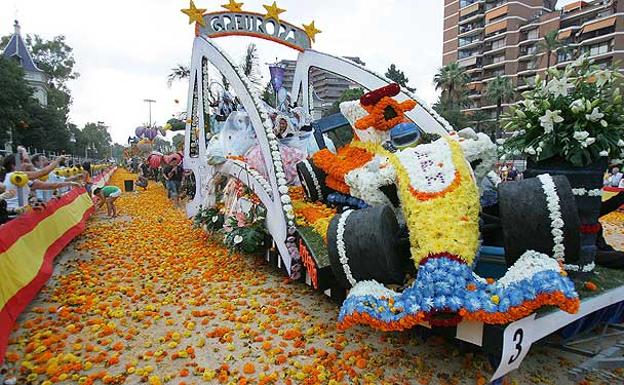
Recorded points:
(150, 101)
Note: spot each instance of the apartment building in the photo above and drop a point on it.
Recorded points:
(491, 38)
(328, 87)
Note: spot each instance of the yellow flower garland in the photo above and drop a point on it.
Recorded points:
(448, 223)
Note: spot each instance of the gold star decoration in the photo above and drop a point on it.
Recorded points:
(195, 14)
(273, 12)
(233, 6)
(311, 30)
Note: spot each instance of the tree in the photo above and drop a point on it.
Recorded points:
(452, 81)
(250, 65)
(118, 152)
(268, 95)
(48, 127)
(398, 77)
(346, 96)
(162, 145)
(180, 72)
(14, 99)
(499, 90)
(178, 141)
(480, 121)
(450, 111)
(94, 141)
(551, 44)
(54, 57)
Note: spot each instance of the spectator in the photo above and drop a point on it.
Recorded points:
(87, 177)
(615, 178)
(33, 182)
(173, 177)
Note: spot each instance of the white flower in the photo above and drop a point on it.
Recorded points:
(530, 150)
(602, 77)
(558, 87)
(581, 135)
(237, 239)
(549, 119)
(215, 219)
(604, 153)
(285, 199)
(595, 115)
(621, 143)
(500, 141)
(604, 123)
(588, 142)
(577, 106)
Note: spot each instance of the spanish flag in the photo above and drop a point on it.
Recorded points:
(28, 246)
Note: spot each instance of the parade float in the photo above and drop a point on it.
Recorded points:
(379, 206)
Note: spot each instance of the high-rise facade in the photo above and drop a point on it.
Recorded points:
(490, 38)
(328, 87)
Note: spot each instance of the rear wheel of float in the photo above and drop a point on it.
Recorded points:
(313, 181)
(526, 223)
(371, 239)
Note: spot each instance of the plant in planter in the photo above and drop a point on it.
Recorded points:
(571, 125)
(211, 218)
(245, 232)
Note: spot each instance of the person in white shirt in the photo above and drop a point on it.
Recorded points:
(33, 183)
(615, 178)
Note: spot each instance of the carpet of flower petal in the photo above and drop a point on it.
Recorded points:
(147, 298)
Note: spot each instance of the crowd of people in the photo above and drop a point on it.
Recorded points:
(614, 178)
(167, 170)
(43, 184)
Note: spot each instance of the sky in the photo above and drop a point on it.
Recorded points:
(124, 49)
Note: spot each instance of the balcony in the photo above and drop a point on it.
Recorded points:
(525, 83)
(493, 5)
(468, 29)
(466, 3)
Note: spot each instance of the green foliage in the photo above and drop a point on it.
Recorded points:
(44, 128)
(246, 232)
(210, 217)
(550, 44)
(179, 72)
(347, 95)
(451, 111)
(178, 141)
(268, 95)
(250, 64)
(14, 98)
(578, 115)
(93, 140)
(452, 81)
(499, 90)
(398, 76)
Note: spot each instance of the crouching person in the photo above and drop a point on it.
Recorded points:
(108, 195)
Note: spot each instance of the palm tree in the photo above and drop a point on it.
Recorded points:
(499, 90)
(178, 73)
(548, 46)
(249, 65)
(451, 80)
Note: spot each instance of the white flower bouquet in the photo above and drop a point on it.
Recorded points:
(576, 115)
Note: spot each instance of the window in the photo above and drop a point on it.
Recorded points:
(598, 49)
(533, 34)
(498, 59)
(467, 53)
(465, 3)
(532, 65)
(564, 56)
(500, 43)
(468, 40)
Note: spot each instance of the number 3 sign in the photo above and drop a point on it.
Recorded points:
(517, 340)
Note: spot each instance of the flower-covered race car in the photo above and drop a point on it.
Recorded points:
(405, 236)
